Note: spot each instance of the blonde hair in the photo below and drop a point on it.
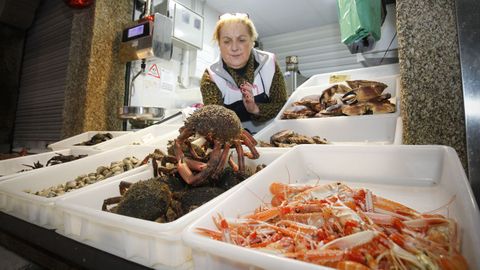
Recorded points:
(235, 19)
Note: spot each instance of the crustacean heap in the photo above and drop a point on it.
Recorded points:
(167, 197)
(214, 129)
(161, 199)
(97, 138)
(100, 174)
(289, 138)
(194, 171)
(57, 159)
(337, 226)
(358, 98)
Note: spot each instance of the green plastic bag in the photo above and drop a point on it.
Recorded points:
(359, 18)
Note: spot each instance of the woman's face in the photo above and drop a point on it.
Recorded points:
(235, 44)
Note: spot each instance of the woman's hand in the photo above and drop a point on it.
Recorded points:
(248, 98)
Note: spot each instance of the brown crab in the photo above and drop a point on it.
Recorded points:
(297, 112)
(357, 97)
(220, 129)
(289, 138)
(60, 158)
(97, 138)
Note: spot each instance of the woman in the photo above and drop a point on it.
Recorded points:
(245, 80)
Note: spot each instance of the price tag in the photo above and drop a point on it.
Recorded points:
(336, 78)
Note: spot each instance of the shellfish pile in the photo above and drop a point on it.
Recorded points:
(338, 226)
(101, 173)
(167, 197)
(57, 159)
(97, 138)
(356, 97)
(289, 138)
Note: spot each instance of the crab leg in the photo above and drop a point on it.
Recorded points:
(195, 164)
(222, 162)
(241, 158)
(196, 179)
(232, 163)
(250, 142)
(123, 186)
(110, 201)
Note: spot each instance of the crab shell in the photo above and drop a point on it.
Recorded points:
(214, 120)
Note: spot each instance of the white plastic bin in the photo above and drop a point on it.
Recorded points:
(421, 177)
(145, 242)
(40, 210)
(71, 141)
(145, 136)
(381, 129)
(10, 168)
(369, 73)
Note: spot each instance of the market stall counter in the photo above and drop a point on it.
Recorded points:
(50, 250)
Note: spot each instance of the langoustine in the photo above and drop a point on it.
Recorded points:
(338, 226)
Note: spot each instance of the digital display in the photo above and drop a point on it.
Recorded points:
(136, 31)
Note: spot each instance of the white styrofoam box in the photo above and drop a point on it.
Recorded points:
(393, 87)
(40, 210)
(421, 177)
(145, 242)
(145, 136)
(10, 168)
(71, 141)
(369, 73)
(383, 129)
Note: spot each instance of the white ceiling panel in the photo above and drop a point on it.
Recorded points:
(273, 17)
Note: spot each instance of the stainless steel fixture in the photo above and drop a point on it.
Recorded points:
(293, 77)
(468, 40)
(140, 117)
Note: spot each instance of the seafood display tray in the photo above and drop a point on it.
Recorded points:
(145, 242)
(393, 83)
(383, 129)
(71, 141)
(11, 168)
(424, 178)
(369, 73)
(41, 210)
(146, 136)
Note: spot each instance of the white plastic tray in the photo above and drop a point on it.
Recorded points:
(382, 129)
(421, 177)
(40, 210)
(354, 74)
(71, 141)
(393, 83)
(145, 136)
(10, 168)
(145, 242)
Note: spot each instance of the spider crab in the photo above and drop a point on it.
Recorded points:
(218, 129)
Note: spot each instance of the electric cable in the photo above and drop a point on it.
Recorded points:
(388, 48)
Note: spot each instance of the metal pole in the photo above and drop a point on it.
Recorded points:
(468, 26)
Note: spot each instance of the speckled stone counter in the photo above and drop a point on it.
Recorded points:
(96, 77)
(432, 99)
